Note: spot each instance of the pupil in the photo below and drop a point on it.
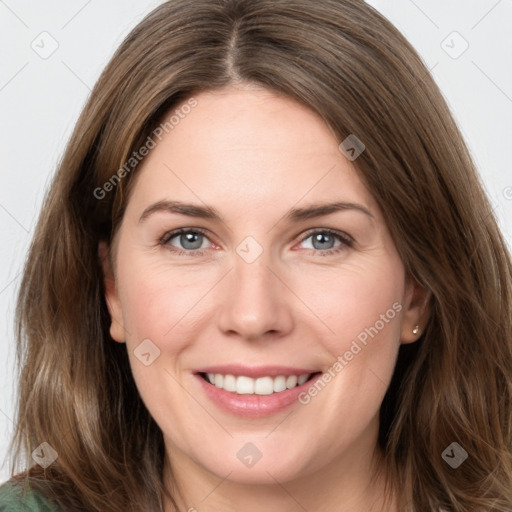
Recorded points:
(322, 238)
(190, 240)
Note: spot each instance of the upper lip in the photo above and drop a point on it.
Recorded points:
(255, 371)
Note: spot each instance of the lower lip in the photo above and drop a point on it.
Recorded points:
(254, 406)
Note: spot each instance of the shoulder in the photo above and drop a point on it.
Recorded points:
(16, 497)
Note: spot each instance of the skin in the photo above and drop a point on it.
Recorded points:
(253, 155)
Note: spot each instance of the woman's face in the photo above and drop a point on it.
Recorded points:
(288, 269)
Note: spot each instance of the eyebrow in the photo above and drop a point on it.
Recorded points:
(294, 215)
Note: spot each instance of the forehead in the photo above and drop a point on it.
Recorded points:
(248, 147)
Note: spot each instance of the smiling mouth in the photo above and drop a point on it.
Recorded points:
(243, 385)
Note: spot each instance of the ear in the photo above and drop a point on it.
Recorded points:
(117, 330)
(416, 311)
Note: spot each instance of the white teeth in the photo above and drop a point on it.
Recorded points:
(279, 384)
(219, 380)
(243, 385)
(291, 381)
(229, 383)
(302, 379)
(264, 386)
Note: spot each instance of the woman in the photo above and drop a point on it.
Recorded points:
(265, 277)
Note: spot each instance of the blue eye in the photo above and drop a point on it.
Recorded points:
(191, 240)
(188, 241)
(324, 240)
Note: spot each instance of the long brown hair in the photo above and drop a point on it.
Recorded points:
(351, 66)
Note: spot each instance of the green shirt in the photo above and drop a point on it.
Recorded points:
(13, 498)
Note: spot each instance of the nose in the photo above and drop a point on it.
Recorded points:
(255, 304)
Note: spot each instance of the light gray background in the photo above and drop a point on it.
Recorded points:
(41, 98)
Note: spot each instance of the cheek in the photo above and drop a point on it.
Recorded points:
(165, 305)
(364, 311)
(357, 302)
(159, 307)
(360, 307)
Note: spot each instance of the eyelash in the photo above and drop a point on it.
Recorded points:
(346, 241)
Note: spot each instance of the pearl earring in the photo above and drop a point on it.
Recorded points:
(416, 330)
